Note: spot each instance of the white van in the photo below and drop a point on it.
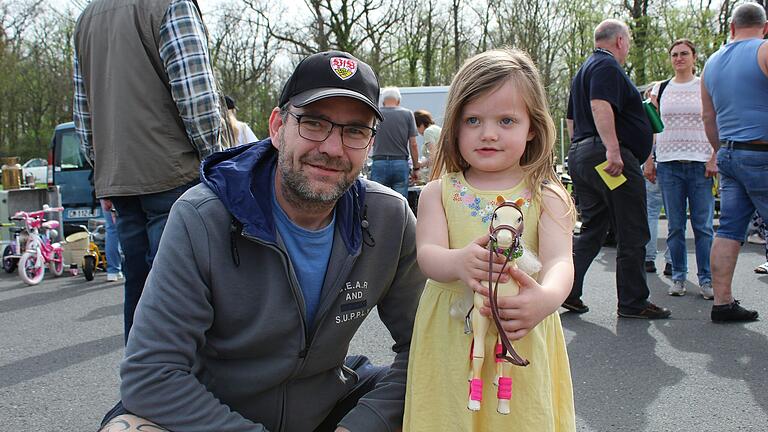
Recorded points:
(432, 99)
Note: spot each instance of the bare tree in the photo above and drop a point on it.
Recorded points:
(429, 47)
(457, 40)
(243, 52)
(640, 25)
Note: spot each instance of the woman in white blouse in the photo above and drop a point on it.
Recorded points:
(431, 132)
(685, 166)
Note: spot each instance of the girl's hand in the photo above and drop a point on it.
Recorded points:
(521, 313)
(471, 264)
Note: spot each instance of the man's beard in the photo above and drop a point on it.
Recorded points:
(297, 188)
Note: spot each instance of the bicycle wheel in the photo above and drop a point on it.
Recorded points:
(89, 266)
(31, 268)
(9, 264)
(56, 264)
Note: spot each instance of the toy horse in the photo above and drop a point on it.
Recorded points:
(506, 229)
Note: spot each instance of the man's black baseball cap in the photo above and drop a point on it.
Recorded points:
(330, 74)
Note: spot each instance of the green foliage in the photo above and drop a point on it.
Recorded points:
(35, 78)
(255, 44)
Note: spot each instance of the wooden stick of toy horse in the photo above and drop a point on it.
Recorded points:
(506, 230)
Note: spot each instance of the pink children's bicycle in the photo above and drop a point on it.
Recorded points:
(39, 248)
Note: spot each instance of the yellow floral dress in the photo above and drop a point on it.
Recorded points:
(437, 388)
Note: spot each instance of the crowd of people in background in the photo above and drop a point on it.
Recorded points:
(702, 135)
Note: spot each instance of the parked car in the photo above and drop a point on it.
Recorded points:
(74, 176)
(38, 168)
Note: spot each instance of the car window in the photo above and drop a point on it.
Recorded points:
(71, 157)
(35, 163)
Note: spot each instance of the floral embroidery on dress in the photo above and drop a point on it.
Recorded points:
(479, 207)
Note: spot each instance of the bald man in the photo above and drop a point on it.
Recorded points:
(734, 96)
(607, 123)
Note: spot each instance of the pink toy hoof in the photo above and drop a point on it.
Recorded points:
(505, 388)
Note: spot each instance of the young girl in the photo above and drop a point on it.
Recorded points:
(497, 140)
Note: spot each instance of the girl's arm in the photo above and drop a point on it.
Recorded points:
(556, 246)
(436, 260)
(537, 300)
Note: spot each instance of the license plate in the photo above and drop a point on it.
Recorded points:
(82, 213)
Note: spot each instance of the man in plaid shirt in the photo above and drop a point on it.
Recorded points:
(147, 112)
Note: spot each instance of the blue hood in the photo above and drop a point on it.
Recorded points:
(241, 176)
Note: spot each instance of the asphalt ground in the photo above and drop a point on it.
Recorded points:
(61, 342)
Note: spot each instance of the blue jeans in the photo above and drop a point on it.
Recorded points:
(684, 187)
(743, 189)
(111, 243)
(140, 223)
(655, 202)
(392, 173)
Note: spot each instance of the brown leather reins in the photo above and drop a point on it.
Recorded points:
(493, 293)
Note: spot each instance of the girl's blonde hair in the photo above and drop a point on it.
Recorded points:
(482, 74)
(233, 125)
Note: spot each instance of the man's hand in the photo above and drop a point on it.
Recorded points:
(602, 112)
(710, 169)
(615, 164)
(108, 208)
(342, 429)
(649, 171)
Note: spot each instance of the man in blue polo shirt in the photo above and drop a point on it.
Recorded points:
(734, 96)
(607, 122)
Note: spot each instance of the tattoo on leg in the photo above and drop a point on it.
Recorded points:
(115, 425)
(150, 427)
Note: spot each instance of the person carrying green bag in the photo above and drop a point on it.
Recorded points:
(653, 116)
(684, 168)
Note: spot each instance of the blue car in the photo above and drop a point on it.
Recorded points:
(74, 176)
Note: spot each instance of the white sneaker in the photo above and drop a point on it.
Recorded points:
(706, 291)
(755, 238)
(114, 277)
(677, 288)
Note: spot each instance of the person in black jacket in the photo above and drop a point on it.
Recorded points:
(607, 123)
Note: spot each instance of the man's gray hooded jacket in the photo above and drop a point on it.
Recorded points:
(220, 341)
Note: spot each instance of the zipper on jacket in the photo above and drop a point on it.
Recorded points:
(295, 289)
(303, 353)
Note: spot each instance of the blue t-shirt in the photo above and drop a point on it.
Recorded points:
(309, 251)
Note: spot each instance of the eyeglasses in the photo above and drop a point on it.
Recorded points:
(318, 130)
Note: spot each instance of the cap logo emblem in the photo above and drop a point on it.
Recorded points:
(343, 67)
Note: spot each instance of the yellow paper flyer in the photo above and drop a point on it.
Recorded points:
(610, 181)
